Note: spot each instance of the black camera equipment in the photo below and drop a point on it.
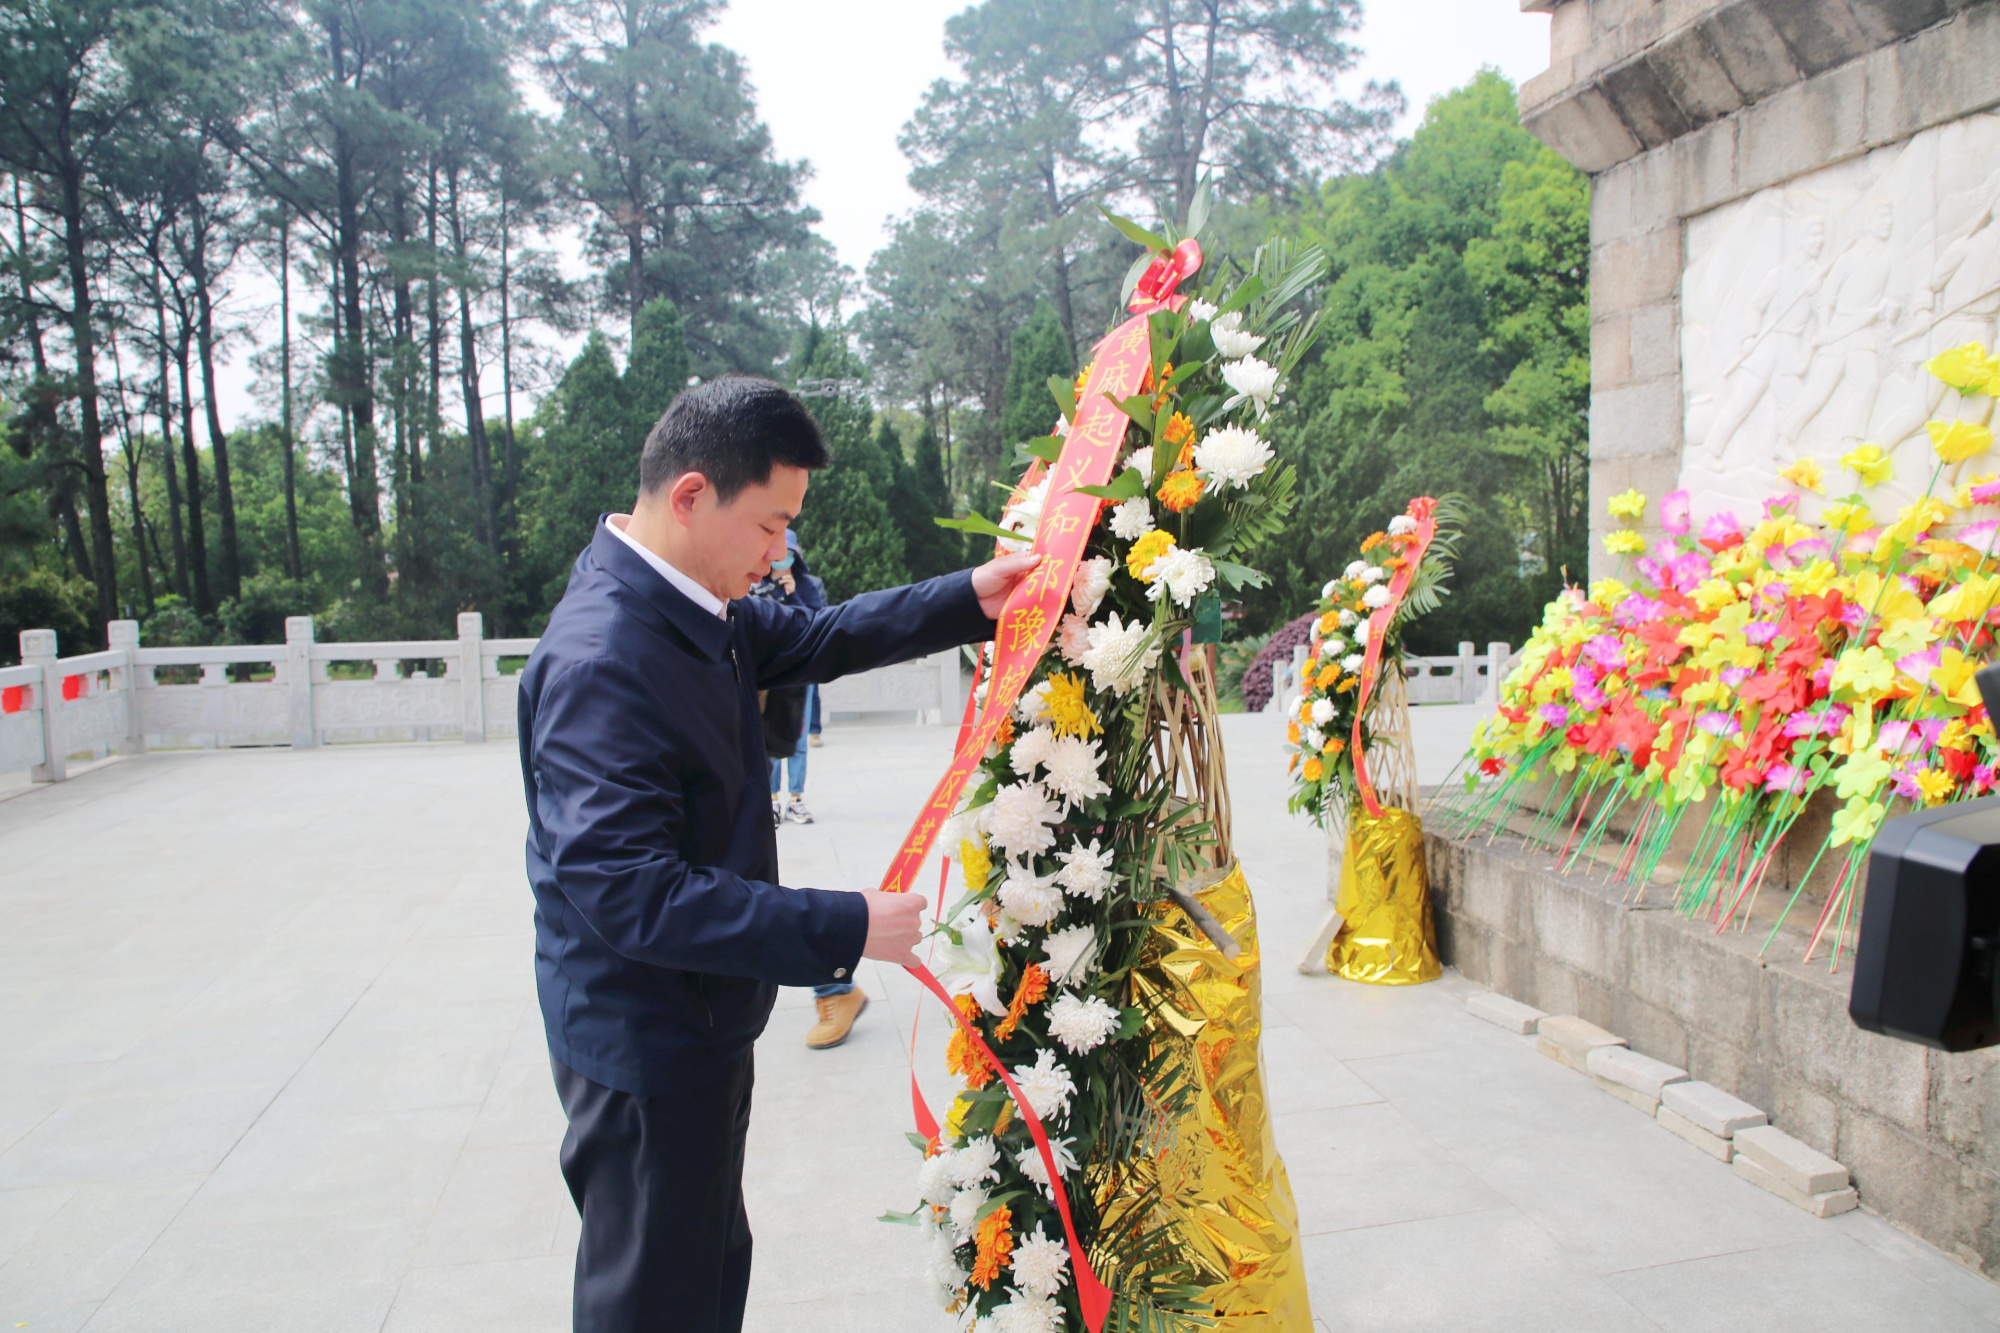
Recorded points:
(1927, 968)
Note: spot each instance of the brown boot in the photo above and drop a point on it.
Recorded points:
(836, 1018)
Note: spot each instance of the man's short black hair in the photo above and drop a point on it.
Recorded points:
(732, 430)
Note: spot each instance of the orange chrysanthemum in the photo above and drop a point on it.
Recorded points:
(1327, 675)
(1329, 622)
(1180, 490)
(1005, 734)
(1347, 685)
(1314, 768)
(1373, 540)
(1292, 733)
(1179, 434)
(1333, 747)
(995, 1241)
(1083, 378)
(1034, 986)
(963, 1058)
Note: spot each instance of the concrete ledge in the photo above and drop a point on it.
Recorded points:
(1918, 1129)
(1830, 1204)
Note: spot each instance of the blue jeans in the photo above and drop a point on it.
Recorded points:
(797, 765)
(837, 988)
(812, 709)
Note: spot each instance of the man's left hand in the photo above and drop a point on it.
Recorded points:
(993, 582)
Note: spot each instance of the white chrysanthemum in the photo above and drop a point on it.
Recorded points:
(1086, 871)
(944, 1266)
(934, 1184)
(1073, 639)
(1295, 707)
(1370, 574)
(1322, 711)
(1029, 1160)
(1351, 663)
(1072, 763)
(1201, 311)
(1183, 572)
(1070, 955)
(972, 966)
(1402, 525)
(1353, 570)
(1047, 1085)
(1030, 748)
(1031, 899)
(1311, 739)
(1019, 819)
(1253, 380)
(1033, 705)
(1025, 516)
(1376, 597)
(1093, 580)
(974, 1164)
(1040, 1264)
(965, 1208)
(1120, 655)
(1028, 1313)
(1326, 589)
(1232, 456)
(1131, 519)
(1081, 1025)
(1142, 459)
(1231, 338)
(1347, 618)
(1332, 646)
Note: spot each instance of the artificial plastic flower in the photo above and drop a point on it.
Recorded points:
(1120, 655)
(1081, 1025)
(1020, 819)
(1627, 504)
(1231, 338)
(1253, 381)
(1232, 456)
(1086, 871)
(1676, 513)
(1805, 474)
(1182, 573)
(1624, 542)
(1047, 1085)
(1869, 464)
(1093, 580)
(1068, 956)
(1131, 519)
(1966, 368)
(1955, 441)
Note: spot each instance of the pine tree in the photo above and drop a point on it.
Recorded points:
(928, 549)
(658, 369)
(585, 464)
(847, 531)
(1039, 351)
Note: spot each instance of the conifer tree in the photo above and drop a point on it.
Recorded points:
(586, 464)
(847, 531)
(1039, 350)
(658, 368)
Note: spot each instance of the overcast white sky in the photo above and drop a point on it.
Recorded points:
(836, 81)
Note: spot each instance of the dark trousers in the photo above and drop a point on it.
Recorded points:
(658, 1182)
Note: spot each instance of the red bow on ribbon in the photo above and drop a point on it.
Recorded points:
(1156, 285)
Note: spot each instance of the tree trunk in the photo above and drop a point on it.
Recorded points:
(138, 518)
(83, 336)
(468, 380)
(433, 332)
(354, 379)
(507, 351)
(204, 600)
(294, 562)
(218, 442)
(167, 452)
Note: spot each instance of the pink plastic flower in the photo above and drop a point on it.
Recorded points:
(1556, 715)
(1983, 777)
(1853, 614)
(1986, 492)
(1677, 513)
(1607, 650)
(1980, 535)
(1918, 667)
(1719, 724)
(1688, 570)
(1905, 782)
(1735, 675)
(1722, 529)
(1898, 738)
(1785, 778)
(1588, 696)
(1760, 632)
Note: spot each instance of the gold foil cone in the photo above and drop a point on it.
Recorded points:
(1212, 1186)
(1386, 937)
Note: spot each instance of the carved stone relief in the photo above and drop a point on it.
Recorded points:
(1809, 308)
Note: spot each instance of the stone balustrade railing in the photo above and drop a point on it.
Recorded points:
(301, 693)
(1468, 678)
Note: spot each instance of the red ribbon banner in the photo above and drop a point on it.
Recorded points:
(1423, 509)
(1026, 624)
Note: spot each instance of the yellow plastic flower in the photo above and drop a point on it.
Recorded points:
(1934, 785)
(1956, 441)
(1624, 542)
(1806, 474)
(1966, 368)
(1855, 822)
(1868, 463)
(1145, 551)
(1865, 671)
(1608, 592)
(1847, 516)
(1628, 505)
(1966, 601)
(1069, 715)
(1903, 637)
(974, 862)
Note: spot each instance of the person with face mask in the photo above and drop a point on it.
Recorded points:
(788, 712)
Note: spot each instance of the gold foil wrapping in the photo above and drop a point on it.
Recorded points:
(1386, 937)
(1212, 1184)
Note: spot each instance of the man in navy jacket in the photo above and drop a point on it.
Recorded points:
(661, 932)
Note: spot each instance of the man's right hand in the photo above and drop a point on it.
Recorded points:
(895, 924)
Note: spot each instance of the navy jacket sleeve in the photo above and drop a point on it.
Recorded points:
(610, 803)
(793, 646)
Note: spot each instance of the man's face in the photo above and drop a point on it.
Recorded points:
(737, 541)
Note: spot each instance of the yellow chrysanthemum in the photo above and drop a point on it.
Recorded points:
(1314, 769)
(1069, 715)
(1624, 542)
(1627, 504)
(1805, 474)
(1145, 551)
(1328, 674)
(974, 862)
(1966, 368)
(1956, 441)
(1868, 463)
(1083, 378)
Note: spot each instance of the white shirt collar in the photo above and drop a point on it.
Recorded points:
(686, 586)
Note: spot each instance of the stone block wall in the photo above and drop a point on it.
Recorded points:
(1910, 1123)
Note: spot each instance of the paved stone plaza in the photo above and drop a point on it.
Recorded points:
(270, 1062)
